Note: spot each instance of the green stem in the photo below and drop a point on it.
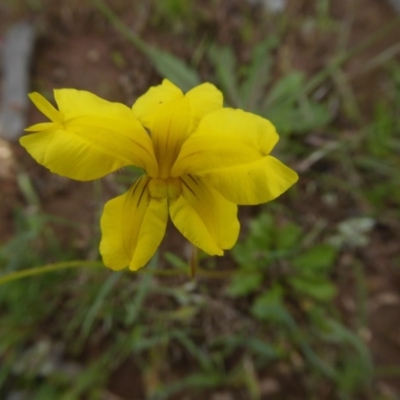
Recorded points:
(25, 273)
(346, 56)
(339, 60)
(121, 27)
(47, 268)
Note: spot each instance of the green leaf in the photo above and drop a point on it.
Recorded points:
(194, 349)
(176, 261)
(298, 117)
(134, 308)
(243, 284)
(289, 110)
(357, 362)
(284, 89)
(166, 64)
(224, 61)
(288, 236)
(257, 76)
(192, 382)
(101, 297)
(315, 261)
(270, 307)
(262, 349)
(318, 289)
(174, 69)
(380, 133)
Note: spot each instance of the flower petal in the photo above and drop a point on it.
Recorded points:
(45, 107)
(74, 103)
(225, 138)
(132, 226)
(171, 117)
(148, 105)
(204, 217)
(41, 126)
(168, 132)
(82, 109)
(203, 100)
(253, 183)
(91, 142)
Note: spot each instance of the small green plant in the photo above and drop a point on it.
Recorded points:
(172, 13)
(376, 154)
(290, 289)
(283, 101)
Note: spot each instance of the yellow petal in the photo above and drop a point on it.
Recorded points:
(225, 138)
(45, 107)
(204, 217)
(252, 183)
(203, 100)
(168, 132)
(132, 226)
(93, 141)
(147, 105)
(42, 126)
(82, 109)
(171, 117)
(74, 103)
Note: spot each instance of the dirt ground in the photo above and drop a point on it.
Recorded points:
(73, 50)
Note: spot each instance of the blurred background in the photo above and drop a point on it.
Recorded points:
(307, 305)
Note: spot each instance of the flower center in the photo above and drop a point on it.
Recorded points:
(170, 188)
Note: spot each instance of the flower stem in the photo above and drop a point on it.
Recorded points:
(47, 268)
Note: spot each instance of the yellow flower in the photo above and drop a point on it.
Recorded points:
(200, 160)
